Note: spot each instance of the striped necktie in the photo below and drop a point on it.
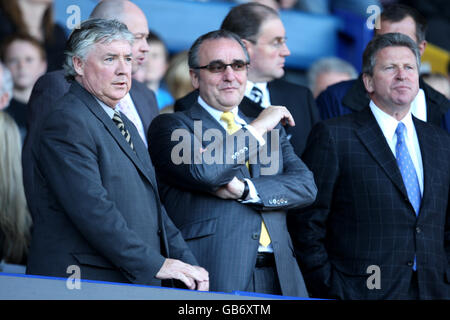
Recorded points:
(119, 123)
(232, 127)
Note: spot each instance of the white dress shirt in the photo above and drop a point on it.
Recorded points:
(388, 125)
(265, 100)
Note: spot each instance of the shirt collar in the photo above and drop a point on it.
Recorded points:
(110, 111)
(388, 124)
(216, 114)
(260, 85)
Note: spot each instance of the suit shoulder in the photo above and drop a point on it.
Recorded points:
(287, 86)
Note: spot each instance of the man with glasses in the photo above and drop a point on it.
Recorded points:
(214, 181)
(264, 36)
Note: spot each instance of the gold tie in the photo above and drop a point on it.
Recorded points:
(232, 127)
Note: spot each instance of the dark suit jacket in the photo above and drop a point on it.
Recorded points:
(94, 201)
(48, 90)
(362, 215)
(297, 99)
(224, 234)
(350, 96)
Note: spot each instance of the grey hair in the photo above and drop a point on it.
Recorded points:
(213, 35)
(7, 83)
(382, 41)
(92, 31)
(329, 64)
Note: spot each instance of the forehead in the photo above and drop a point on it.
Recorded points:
(395, 54)
(406, 26)
(272, 28)
(223, 49)
(22, 47)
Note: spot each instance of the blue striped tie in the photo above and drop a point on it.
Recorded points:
(407, 169)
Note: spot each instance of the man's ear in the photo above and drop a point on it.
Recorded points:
(194, 78)
(422, 47)
(78, 65)
(4, 98)
(368, 83)
(249, 45)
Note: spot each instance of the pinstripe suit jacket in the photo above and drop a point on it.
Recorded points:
(362, 215)
(224, 234)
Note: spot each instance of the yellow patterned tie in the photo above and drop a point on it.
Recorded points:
(232, 127)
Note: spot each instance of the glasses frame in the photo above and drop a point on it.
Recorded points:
(225, 65)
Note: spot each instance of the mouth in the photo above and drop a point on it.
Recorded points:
(120, 84)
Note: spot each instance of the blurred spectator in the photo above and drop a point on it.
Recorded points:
(6, 86)
(35, 18)
(25, 58)
(15, 220)
(327, 71)
(438, 82)
(177, 78)
(154, 69)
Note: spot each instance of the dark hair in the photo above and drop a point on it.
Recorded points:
(382, 41)
(245, 20)
(398, 12)
(12, 10)
(21, 37)
(213, 35)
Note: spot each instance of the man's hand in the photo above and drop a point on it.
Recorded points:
(192, 276)
(270, 117)
(232, 190)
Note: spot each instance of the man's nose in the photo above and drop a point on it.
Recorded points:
(285, 50)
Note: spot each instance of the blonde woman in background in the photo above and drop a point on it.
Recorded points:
(15, 219)
(177, 78)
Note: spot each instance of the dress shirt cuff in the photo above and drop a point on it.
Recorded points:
(253, 194)
(256, 135)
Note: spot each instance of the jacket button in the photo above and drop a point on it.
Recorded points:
(255, 236)
(418, 230)
(410, 263)
(159, 231)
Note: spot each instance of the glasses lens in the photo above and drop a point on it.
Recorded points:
(216, 67)
(238, 65)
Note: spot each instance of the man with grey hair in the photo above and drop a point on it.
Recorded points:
(350, 96)
(6, 86)
(380, 226)
(95, 203)
(139, 104)
(327, 71)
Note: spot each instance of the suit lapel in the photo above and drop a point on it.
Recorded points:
(372, 138)
(98, 111)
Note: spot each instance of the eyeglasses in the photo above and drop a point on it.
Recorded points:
(219, 66)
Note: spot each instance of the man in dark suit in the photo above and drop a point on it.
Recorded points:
(233, 220)
(262, 32)
(350, 96)
(96, 203)
(380, 226)
(139, 105)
